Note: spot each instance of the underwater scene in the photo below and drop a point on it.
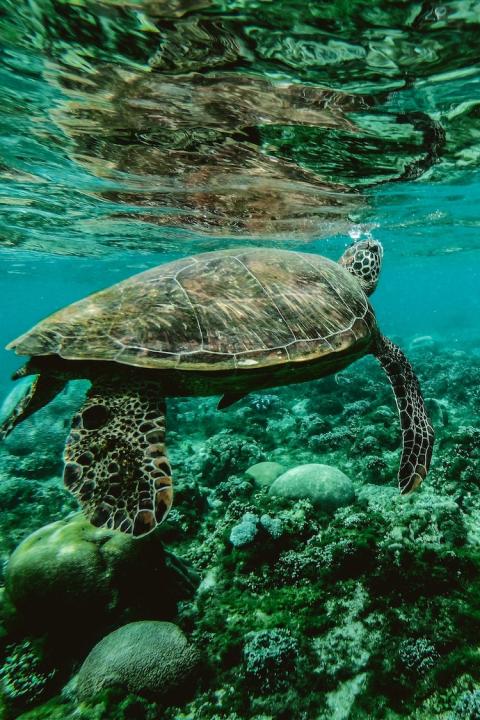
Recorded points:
(240, 389)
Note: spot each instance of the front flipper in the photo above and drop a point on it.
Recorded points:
(115, 456)
(418, 435)
(35, 393)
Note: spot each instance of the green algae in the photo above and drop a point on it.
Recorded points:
(107, 707)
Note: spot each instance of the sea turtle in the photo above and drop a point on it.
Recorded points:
(225, 322)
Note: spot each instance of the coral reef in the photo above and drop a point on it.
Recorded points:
(264, 473)
(31, 467)
(269, 656)
(148, 657)
(467, 707)
(72, 578)
(21, 676)
(324, 486)
(244, 533)
(366, 611)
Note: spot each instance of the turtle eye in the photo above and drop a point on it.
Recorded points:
(94, 417)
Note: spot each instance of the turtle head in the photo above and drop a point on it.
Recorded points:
(364, 260)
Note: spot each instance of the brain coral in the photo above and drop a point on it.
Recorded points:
(144, 658)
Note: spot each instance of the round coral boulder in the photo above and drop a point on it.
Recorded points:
(72, 575)
(149, 658)
(325, 486)
(265, 473)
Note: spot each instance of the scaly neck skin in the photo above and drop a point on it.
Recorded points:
(364, 261)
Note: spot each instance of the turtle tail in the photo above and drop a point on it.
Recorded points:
(417, 433)
(115, 456)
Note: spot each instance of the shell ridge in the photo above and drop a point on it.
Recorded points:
(261, 317)
(194, 305)
(350, 327)
(270, 298)
(334, 289)
(191, 304)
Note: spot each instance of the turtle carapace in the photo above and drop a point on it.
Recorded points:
(226, 322)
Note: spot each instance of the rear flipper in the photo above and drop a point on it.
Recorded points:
(115, 456)
(418, 435)
(34, 394)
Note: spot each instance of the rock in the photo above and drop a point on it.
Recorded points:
(72, 575)
(325, 486)
(340, 702)
(149, 658)
(423, 342)
(264, 473)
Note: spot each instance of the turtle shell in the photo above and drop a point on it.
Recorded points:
(235, 309)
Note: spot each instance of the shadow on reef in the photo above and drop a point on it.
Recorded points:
(337, 599)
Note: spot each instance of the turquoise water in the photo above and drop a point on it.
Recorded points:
(137, 133)
(429, 285)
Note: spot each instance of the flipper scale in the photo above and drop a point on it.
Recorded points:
(417, 433)
(115, 457)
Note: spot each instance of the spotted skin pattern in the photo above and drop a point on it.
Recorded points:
(364, 261)
(115, 456)
(417, 433)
